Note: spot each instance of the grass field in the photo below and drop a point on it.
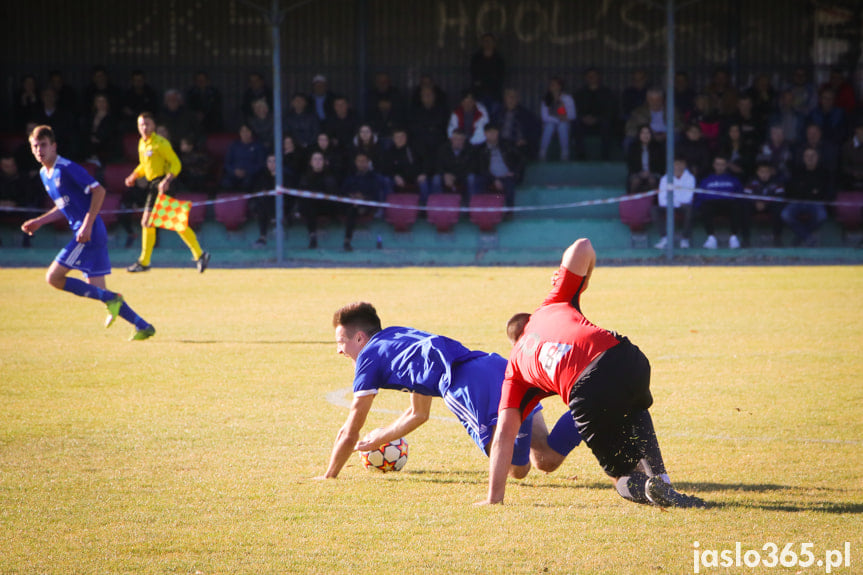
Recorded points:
(193, 452)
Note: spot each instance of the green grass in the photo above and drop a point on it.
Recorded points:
(193, 452)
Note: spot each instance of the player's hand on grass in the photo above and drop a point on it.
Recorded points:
(321, 478)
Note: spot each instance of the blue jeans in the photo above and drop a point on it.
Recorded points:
(804, 219)
(548, 130)
(469, 182)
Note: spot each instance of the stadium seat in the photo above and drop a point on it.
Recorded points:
(850, 217)
(402, 218)
(636, 213)
(9, 141)
(90, 167)
(109, 209)
(444, 220)
(216, 146)
(487, 221)
(232, 213)
(198, 213)
(114, 177)
(130, 147)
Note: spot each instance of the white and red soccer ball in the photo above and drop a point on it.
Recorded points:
(390, 456)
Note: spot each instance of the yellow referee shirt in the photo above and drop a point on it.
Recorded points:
(156, 158)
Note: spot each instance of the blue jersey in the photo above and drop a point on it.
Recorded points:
(69, 186)
(411, 360)
(720, 183)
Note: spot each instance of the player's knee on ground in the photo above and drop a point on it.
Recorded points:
(546, 460)
(519, 471)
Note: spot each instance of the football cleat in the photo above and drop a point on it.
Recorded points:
(141, 334)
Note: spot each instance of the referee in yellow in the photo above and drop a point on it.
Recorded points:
(159, 164)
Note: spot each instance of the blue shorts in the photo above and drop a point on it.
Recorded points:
(474, 397)
(90, 258)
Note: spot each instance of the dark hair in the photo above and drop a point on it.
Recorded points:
(43, 131)
(549, 99)
(147, 115)
(358, 316)
(515, 326)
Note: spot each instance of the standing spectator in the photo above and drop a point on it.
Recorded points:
(27, 101)
(205, 102)
(364, 184)
(684, 186)
(67, 99)
(803, 94)
(383, 88)
(261, 123)
(196, 166)
(557, 112)
(597, 113)
(634, 95)
(684, 95)
(178, 119)
(499, 164)
(366, 141)
(384, 120)
(264, 207)
(455, 167)
(829, 117)
(707, 120)
(763, 98)
(470, 117)
(334, 156)
(810, 183)
(64, 125)
(488, 73)
(403, 167)
(440, 98)
(140, 97)
(100, 83)
(739, 152)
(256, 88)
(852, 160)
(245, 158)
(342, 124)
(653, 114)
(788, 118)
(103, 133)
(767, 184)
(321, 98)
(294, 162)
(843, 91)
(300, 122)
(695, 150)
(317, 179)
(722, 94)
(645, 162)
(712, 205)
(518, 126)
(752, 131)
(428, 127)
(777, 152)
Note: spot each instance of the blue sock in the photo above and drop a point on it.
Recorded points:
(129, 315)
(564, 437)
(84, 289)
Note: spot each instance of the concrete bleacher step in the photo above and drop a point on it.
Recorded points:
(576, 174)
(531, 196)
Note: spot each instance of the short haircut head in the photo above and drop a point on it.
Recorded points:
(40, 132)
(358, 316)
(515, 326)
(147, 116)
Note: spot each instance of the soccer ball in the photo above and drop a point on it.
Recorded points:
(390, 456)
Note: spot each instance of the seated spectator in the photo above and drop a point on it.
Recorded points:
(711, 205)
(333, 155)
(366, 141)
(763, 98)
(722, 94)
(321, 98)
(27, 101)
(455, 167)
(470, 117)
(24, 159)
(791, 121)
(828, 153)
(635, 95)
(65, 125)
(707, 120)
(829, 117)
(487, 75)
(363, 184)
(317, 179)
(263, 207)
(100, 83)
(518, 126)
(852, 160)
(17, 190)
(767, 184)
(842, 90)
(653, 114)
(557, 113)
(178, 119)
(810, 182)
(403, 168)
(67, 98)
(300, 123)
(382, 88)
(294, 162)
(384, 120)
(261, 123)
(695, 151)
(645, 162)
(440, 98)
(739, 152)
(804, 96)
(256, 89)
(196, 164)
(102, 144)
(684, 96)
(752, 132)
(428, 126)
(498, 165)
(245, 158)
(597, 113)
(342, 124)
(777, 152)
(140, 97)
(205, 102)
(684, 184)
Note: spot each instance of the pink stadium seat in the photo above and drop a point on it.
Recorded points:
(850, 217)
(487, 221)
(231, 213)
(130, 147)
(114, 177)
(109, 209)
(444, 220)
(402, 218)
(636, 213)
(198, 213)
(217, 146)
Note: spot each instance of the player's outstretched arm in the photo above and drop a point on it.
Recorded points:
(509, 420)
(348, 435)
(53, 215)
(413, 417)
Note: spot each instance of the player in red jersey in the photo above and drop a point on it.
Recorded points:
(603, 377)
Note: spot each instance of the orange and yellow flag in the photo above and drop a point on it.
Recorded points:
(170, 213)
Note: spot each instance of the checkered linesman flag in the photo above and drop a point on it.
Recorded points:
(170, 213)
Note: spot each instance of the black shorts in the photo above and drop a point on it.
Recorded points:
(143, 197)
(605, 401)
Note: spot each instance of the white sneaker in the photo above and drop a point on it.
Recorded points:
(684, 244)
(711, 243)
(734, 243)
(661, 244)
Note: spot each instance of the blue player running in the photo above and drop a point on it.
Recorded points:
(79, 197)
(428, 366)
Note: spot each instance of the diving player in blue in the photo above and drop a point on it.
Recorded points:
(428, 366)
(78, 197)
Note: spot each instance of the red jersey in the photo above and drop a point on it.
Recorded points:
(557, 345)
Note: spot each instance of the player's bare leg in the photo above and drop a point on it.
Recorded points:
(542, 455)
